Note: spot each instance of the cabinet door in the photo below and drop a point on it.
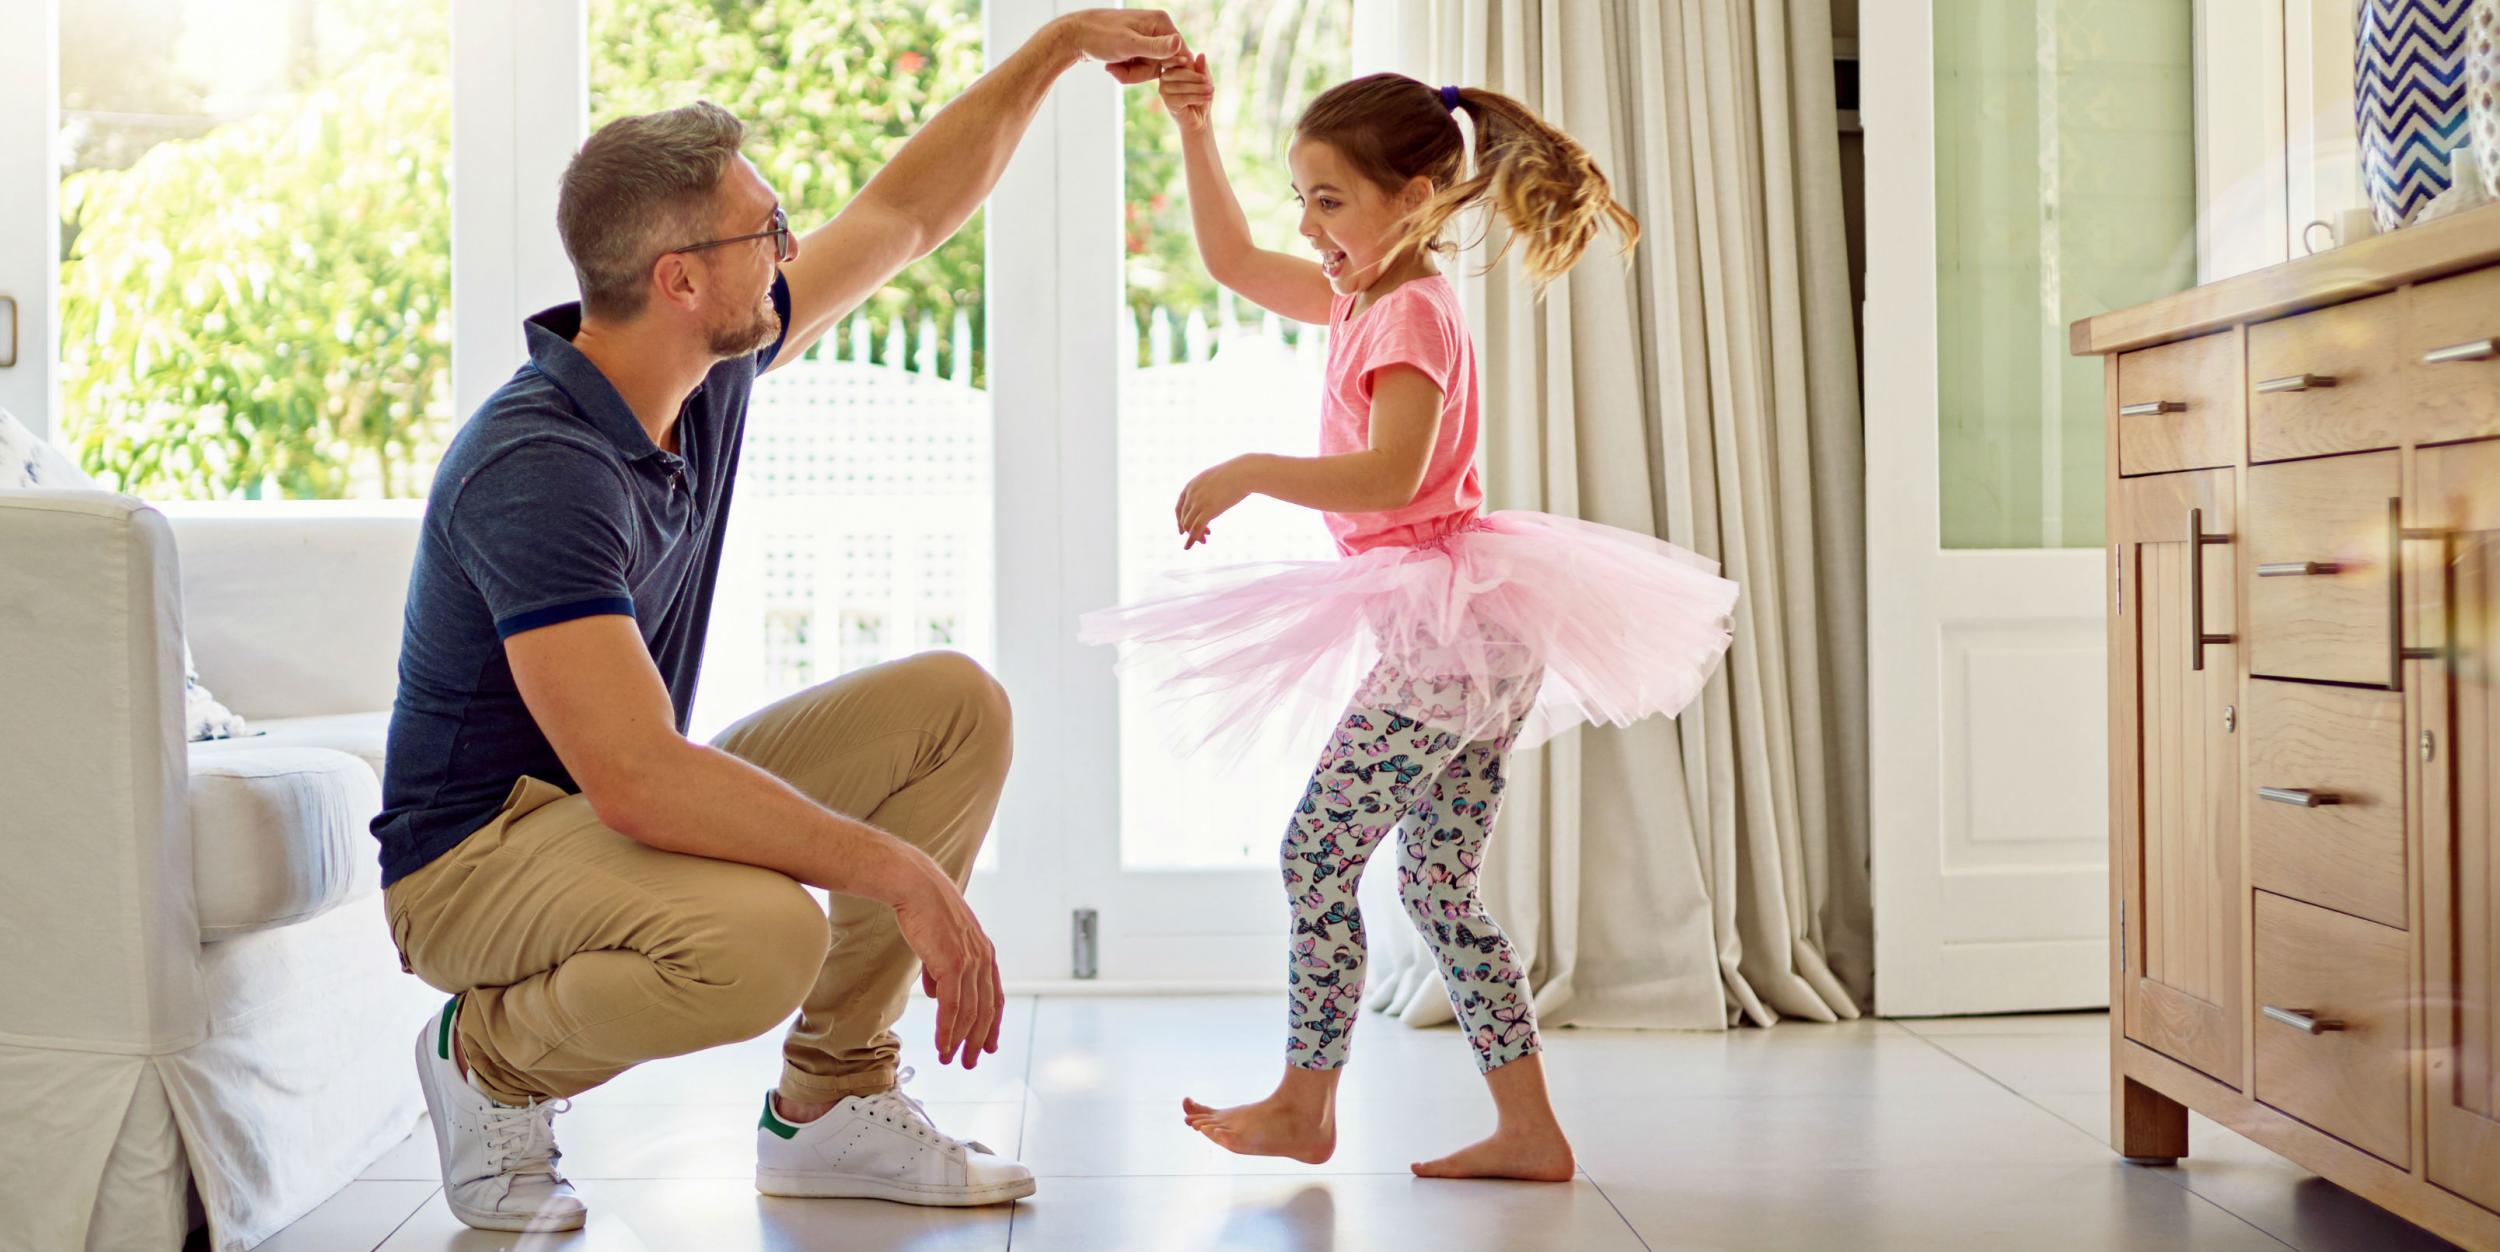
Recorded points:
(2177, 848)
(2454, 568)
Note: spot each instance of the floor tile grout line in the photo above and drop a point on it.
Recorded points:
(1620, 1215)
(2176, 1177)
(393, 1232)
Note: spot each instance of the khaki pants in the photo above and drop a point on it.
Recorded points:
(583, 953)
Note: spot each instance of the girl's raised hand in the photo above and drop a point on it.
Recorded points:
(1187, 91)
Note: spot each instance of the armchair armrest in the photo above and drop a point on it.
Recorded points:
(97, 905)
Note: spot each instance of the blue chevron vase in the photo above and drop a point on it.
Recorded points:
(2482, 90)
(2409, 100)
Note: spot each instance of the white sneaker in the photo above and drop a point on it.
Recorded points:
(499, 1162)
(881, 1147)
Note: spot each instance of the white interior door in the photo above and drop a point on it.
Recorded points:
(2028, 162)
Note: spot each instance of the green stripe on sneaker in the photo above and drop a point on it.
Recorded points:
(775, 1124)
(442, 1033)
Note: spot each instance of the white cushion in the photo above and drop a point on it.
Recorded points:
(279, 834)
(359, 735)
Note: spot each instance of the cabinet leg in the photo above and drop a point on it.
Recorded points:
(2149, 1128)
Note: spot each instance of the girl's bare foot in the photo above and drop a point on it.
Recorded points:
(1299, 1121)
(1527, 1142)
(1538, 1155)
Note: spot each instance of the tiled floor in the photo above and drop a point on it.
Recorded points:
(1968, 1135)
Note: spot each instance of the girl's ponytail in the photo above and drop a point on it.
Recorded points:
(1541, 181)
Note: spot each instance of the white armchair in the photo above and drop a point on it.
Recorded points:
(198, 987)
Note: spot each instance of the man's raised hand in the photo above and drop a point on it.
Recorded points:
(1132, 44)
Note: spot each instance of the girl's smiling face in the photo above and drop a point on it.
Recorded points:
(1350, 219)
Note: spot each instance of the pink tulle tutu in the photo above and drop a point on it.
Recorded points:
(1591, 623)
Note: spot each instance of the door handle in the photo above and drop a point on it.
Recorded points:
(2396, 537)
(2151, 408)
(2296, 382)
(2197, 638)
(2301, 797)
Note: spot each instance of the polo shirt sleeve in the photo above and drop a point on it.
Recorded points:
(542, 533)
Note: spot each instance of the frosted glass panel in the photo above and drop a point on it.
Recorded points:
(2065, 187)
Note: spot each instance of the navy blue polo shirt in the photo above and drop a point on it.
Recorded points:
(552, 503)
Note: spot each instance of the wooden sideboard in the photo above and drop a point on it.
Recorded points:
(2304, 715)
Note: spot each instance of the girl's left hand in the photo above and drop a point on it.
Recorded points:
(1209, 496)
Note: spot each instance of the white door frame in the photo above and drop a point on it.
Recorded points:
(1973, 913)
(30, 210)
(518, 113)
(1058, 445)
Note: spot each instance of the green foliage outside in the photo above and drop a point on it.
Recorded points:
(264, 309)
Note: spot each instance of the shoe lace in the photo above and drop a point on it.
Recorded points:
(522, 1139)
(900, 1109)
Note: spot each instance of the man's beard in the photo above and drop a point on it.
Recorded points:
(744, 338)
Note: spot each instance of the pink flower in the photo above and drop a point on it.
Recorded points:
(910, 62)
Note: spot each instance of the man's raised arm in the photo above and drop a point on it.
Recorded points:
(944, 172)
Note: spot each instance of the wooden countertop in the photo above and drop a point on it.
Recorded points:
(2380, 263)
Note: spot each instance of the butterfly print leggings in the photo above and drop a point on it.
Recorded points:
(1384, 770)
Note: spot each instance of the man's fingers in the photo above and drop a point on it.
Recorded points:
(949, 1007)
(998, 990)
(968, 994)
(983, 1037)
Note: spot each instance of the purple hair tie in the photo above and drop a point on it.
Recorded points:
(1449, 98)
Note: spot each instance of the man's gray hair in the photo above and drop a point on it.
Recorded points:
(639, 187)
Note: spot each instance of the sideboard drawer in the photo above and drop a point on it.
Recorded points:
(2452, 358)
(2347, 977)
(2320, 537)
(2179, 405)
(2326, 810)
(2326, 381)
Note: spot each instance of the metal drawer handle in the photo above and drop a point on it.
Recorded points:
(2296, 382)
(2300, 796)
(2197, 638)
(2303, 1021)
(2472, 350)
(2296, 569)
(2151, 408)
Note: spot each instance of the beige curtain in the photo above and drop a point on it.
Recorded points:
(1695, 873)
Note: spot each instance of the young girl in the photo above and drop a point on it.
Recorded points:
(1473, 633)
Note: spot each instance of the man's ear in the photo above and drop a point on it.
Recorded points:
(674, 280)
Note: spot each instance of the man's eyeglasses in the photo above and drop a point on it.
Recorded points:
(785, 244)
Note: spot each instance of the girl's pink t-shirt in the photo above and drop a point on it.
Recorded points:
(1417, 324)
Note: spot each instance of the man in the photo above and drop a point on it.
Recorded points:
(596, 890)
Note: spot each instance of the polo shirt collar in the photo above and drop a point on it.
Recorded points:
(550, 334)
